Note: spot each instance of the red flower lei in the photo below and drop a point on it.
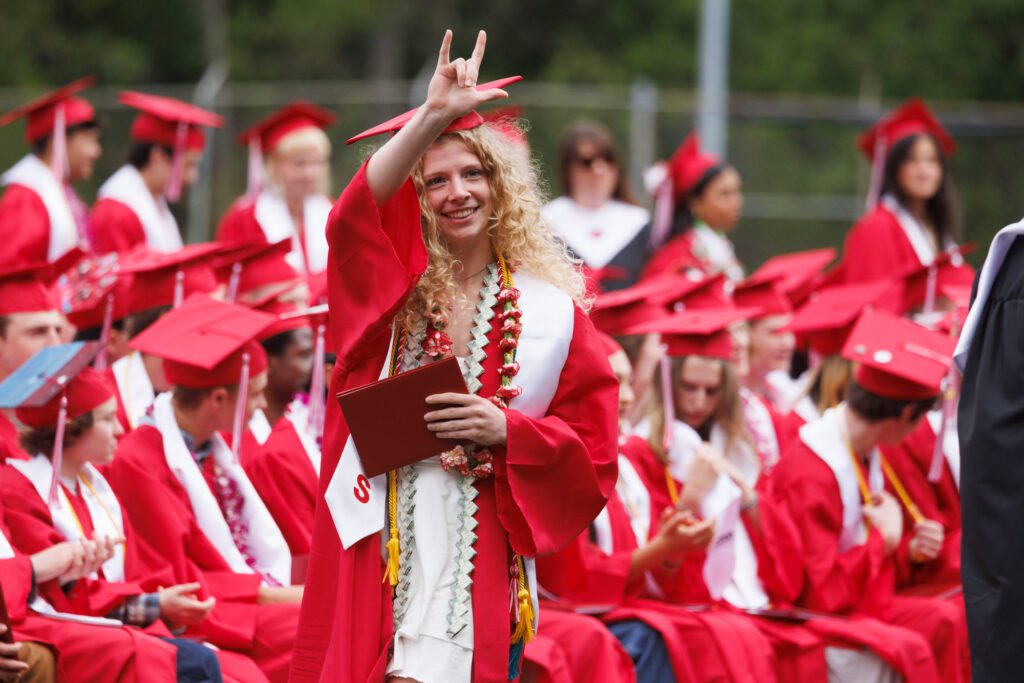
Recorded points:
(471, 461)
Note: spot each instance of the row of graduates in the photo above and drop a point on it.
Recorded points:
(169, 268)
(42, 218)
(187, 529)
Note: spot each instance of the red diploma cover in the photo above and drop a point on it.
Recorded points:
(385, 418)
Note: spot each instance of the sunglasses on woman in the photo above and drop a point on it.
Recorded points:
(588, 162)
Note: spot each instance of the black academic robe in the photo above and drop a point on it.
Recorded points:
(991, 423)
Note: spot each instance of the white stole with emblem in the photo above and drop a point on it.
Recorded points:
(158, 223)
(598, 235)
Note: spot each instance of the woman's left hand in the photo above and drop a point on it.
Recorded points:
(467, 416)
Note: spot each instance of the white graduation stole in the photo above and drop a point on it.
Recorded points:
(158, 223)
(275, 220)
(103, 505)
(266, 543)
(32, 173)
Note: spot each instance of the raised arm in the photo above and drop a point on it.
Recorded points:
(452, 93)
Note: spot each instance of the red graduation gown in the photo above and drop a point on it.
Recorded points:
(85, 653)
(115, 226)
(575, 647)
(861, 579)
(675, 256)
(552, 478)
(162, 516)
(239, 224)
(9, 445)
(24, 227)
(284, 477)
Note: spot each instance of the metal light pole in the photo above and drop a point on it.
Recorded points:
(713, 76)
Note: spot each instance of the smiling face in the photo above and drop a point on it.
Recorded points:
(456, 188)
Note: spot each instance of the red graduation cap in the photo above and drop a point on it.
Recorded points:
(471, 120)
(204, 341)
(166, 279)
(86, 391)
(608, 343)
(41, 113)
(798, 273)
(172, 123)
(28, 288)
(898, 358)
(255, 266)
(614, 311)
(910, 118)
(762, 294)
(688, 165)
(504, 120)
(703, 332)
(826, 320)
(288, 119)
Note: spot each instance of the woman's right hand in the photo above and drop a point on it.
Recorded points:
(179, 605)
(452, 90)
(701, 476)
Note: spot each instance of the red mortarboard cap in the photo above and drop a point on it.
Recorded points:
(703, 332)
(950, 270)
(467, 122)
(203, 340)
(898, 358)
(291, 117)
(30, 288)
(688, 165)
(88, 390)
(615, 311)
(154, 274)
(261, 264)
(960, 295)
(828, 317)
(98, 279)
(41, 113)
(762, 294)
(709, 292)
(160, 117)
(798, 274)
(910, 118)
(503, 120)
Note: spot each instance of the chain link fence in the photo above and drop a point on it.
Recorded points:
(804, 179)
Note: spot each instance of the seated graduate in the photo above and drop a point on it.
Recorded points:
(59, 496)
(438, 248)
(185, 490)
(289, 178)
(833, 482)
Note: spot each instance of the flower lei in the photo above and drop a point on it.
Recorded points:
(231, 500)
(471, 460)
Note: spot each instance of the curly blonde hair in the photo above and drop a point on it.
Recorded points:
(517, 229)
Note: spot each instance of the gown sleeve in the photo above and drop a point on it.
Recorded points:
(24, 226)
(859, 579)
(115, 227)
(288, 487)
(558, 471)
(876, 248)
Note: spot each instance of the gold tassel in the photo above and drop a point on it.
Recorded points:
(393, 545)
(524, 629)
(391, 572)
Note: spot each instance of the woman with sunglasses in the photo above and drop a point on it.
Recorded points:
(597, 215)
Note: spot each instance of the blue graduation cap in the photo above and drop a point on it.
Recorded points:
(41, 377)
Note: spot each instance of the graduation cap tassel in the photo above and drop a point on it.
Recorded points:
(929, 290)
(255, 176)
(174, 186)
(948, 406)
(668, 403)
(179, 288)
(233, 282)
(59, 151)
(100, 363)
(664, 206)
(877, 169)
(315, 425)
(240, 403)
(58, 446)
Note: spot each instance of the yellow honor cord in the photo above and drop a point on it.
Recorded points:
(524, 629)
(865, 492)
(901, 492)
(673, 490)
(394, 544)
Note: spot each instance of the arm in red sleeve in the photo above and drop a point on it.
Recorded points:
(376, 258)
(776, 542)
(582, 572)
(238, 224)
(115, 227)
(24, 226)
(875, 248)
(857, 579)
(558, 471)
(288, 487)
